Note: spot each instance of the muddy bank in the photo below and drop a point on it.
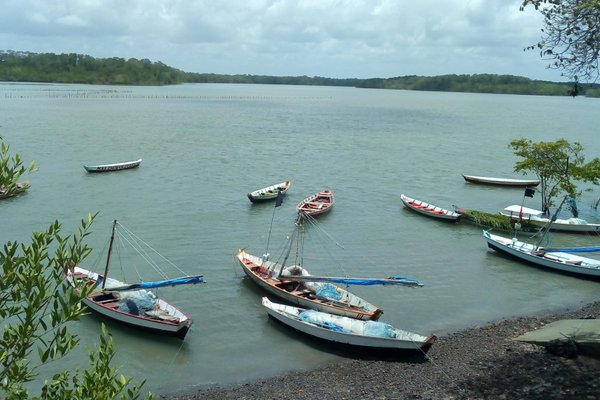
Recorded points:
(482, 362)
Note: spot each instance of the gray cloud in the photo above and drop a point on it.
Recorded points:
(343, 38)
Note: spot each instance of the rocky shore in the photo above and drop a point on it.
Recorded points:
(479, 363)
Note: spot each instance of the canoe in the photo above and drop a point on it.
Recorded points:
(545, 258)
(124, 307)
(316, 204)
(359, 335)
(319, 296)
(269, 192)
(537, 218)
(429, 209)
(487, 180)
(112, 167)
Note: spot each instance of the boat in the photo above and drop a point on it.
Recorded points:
(269, 192)
(113, 167)
(487, 180)
(316, 204)
(371, 336)
(18, 188)
(429, 209)
(321, 296)
(131, 304)
(538, 218)
(547, 258)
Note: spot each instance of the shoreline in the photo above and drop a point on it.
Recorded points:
(479, 362)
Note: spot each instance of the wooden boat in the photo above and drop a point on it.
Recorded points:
(535, 217)
(501, 181)
(316, 204)
(269, 192)
(320, 296)
(18, 188)
(429, 209)
(113, 167)
(555, 259)
(132, 304)
(349, 332)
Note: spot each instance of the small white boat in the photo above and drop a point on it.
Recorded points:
(113, 167)
(353, 333)
(269, 192)
(429, 209)
(537, 218)
(487, 180)
(556, 259)
(316, 204)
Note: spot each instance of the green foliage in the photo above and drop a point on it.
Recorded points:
(478, 83)
(570, 37)
(78, 68)
(11, 170)
(557, 164)
(36, 305)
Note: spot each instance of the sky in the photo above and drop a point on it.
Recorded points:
(328, 38)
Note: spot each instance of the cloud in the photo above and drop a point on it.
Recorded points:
(336, 38)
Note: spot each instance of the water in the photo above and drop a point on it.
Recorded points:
(205, 146)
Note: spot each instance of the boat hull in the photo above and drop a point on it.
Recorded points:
(269, 193)
(349, 333)
(104, 303)
(487, 180)
(293, 293)
(113, 167)
(429, 210)
(558, 261)
(537, 218)
(317, 204)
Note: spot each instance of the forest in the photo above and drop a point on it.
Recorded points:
(20, 66)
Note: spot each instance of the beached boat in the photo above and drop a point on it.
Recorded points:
(113, 167)
(18, 188)
(487, 180)
(322, 296)
(348, 332)
(132, 304)
(316, 204)
(429, 209)
(537, 218)
(269, 192)
(559, 259)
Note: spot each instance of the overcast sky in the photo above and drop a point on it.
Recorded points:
(336, 39)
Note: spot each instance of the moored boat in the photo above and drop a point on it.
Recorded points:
(316, 204)
(269, 192)
(356, 334)
(113, 167)
(322, 296)
(537, 218)
(487, 180)
(132, 304)
(429, 209)
(556, 259)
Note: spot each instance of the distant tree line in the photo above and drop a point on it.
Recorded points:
(77, 68)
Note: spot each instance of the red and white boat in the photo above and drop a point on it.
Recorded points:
(132, 304)
(429, 209)
(316, 204)
(316, 295)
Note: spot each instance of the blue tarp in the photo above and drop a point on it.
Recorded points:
(170, 282)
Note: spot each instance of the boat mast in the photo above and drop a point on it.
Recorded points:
(112, 238)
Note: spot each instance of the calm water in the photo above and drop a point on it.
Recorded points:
(205, 146)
